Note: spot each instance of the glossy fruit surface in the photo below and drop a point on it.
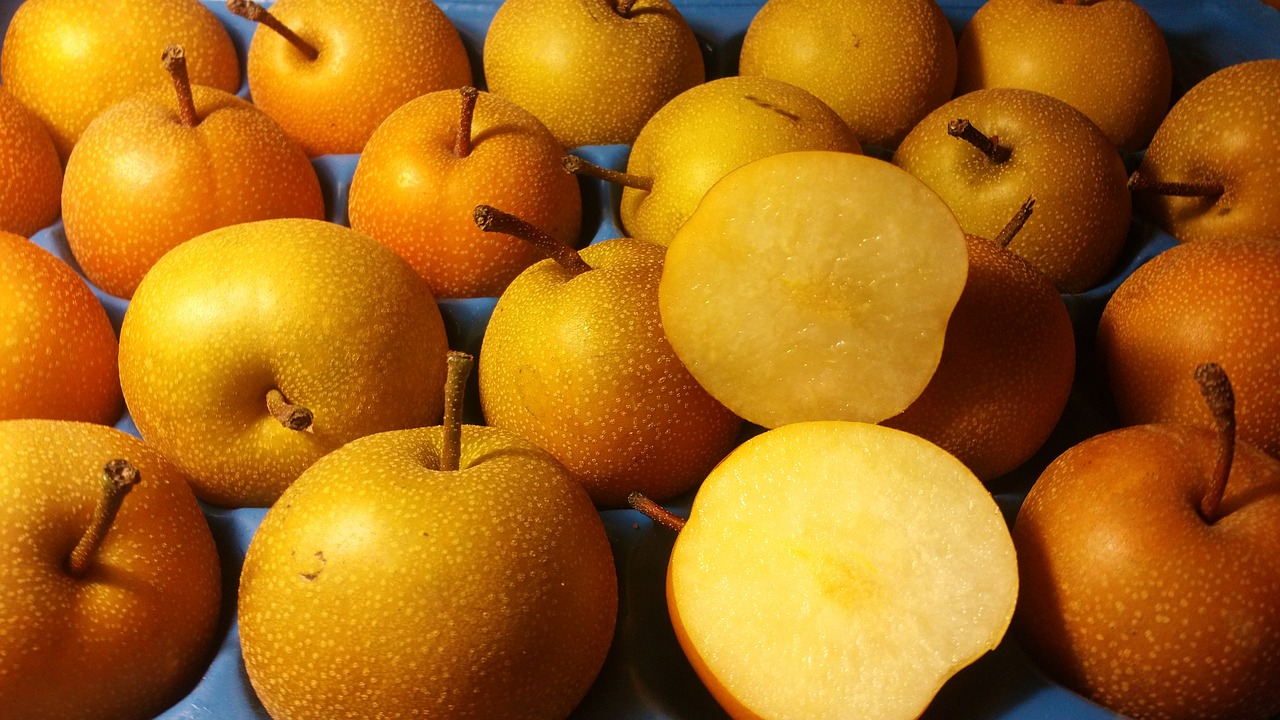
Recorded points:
(335, 322)
(713, 128)
(486, 592)
(30, 171)
(60, 350)
(140, 182)
(814, 286)
(1219, 132)
(1208, 301)
(68, 60)
(881, 65)
(592, 74)
(579, 365)
(833, 570)
(413, 192)
(1130, 597)
(1107, 59)
(128, 637)
(374, 56)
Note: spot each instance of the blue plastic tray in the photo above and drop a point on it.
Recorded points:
(646, 676)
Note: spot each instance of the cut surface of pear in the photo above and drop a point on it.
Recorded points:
(814, 286)
(838, 570)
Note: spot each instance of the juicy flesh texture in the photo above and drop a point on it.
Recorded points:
(839, 570)
(814, 286)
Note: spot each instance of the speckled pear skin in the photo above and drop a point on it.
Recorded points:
(1109, 60)
(1223, 130)
(881, 65)
(1129, 598)
(381, 586)
(1057, 156)
(337, 322)
(1215, 300)
(59, 348)
(591, 75)
(30, 170)
(115, 53)
(414, 194)
(1007, 367)
(375, 55)
(709, 130)
(139, 182)
(580, 366)
(132, 635)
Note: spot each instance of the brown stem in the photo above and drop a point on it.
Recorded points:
(624, 7)
(989, 146)
(1141, 183)
(462, 142)
(455, 389)
(491, 219)
(1015, 223)
(655, 512)
(1216, 389)
(254, 12)
(294, 417)
(118, 478)
(174, 59)
(578, 166)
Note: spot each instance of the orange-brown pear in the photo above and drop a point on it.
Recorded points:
(30, 171)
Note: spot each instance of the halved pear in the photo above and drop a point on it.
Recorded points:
(839, 570)
(814, 286)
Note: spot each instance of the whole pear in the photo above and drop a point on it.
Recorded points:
(30, 171)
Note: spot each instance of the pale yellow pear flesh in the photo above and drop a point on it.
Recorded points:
(839, 570)
(814, 286)
(383, 586)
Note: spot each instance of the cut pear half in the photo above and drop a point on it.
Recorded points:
(839, 570)
(814, 286)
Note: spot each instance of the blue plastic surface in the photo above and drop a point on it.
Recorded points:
(646, 677)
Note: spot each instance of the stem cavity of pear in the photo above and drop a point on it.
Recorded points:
(1138, 182)
(117, 479)
(1216, 389)
(254, 12)
(577, 166)
(174, 59)
(655, 512)
(455, 388)
(491, 219)
(1014, 226)
(462, 142)
(623, 8)
(293, 417)
(989, 146)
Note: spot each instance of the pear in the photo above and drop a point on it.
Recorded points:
(1210, 171)
(445, 572)
(30, 171)
(593, 71)
(881, 65)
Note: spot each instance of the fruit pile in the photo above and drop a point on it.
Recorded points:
(890, 280)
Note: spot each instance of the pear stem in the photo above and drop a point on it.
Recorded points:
(624, 7)
(1015, 223)
(491, 219)
(254, 12)
(294, 417)
(462, 142)
(174, 59)
(1139, 182)
(1216, 389)
(578, 166)
(118, 478)
(989, 146)
(655, 512)
(455, 389)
